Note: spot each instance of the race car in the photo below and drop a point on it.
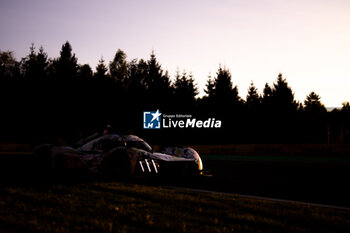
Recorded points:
(115, 155)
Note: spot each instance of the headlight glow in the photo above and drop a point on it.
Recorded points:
(200, 164)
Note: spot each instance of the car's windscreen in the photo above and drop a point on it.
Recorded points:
(103, 144)
(139, 145)
(108, 142)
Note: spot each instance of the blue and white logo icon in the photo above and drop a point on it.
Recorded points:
(151, 120)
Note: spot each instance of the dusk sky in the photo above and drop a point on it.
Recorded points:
(308, 41)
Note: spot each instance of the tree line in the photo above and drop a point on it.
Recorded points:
(43, 97)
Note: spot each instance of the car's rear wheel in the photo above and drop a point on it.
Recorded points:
(44, 157)
(60, 162)
(117, 165)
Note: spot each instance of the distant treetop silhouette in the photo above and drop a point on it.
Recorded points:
(64, 98)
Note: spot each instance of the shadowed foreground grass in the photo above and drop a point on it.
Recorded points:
(120, 207)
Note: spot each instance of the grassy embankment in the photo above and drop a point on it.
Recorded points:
(120, 207)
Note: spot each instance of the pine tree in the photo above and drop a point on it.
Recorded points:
(209, 86)
(66, 66)
(253, 99)
(267, 92)
(118, 68)
(158, 84)
(156, 79)
(312, 104)
(101, 69)
(34, 66)
(185, 89)
(220, 89)
(28, 67)
(282, 96)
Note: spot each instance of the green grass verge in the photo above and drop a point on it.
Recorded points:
(120, 207)
(281, 158)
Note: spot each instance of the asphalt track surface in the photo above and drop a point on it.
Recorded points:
(325, 183)
(321, 182)
(260, 198)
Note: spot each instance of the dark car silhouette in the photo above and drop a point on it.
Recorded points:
(121, 156)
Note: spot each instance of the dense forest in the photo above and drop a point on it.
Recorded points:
(43, 98)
